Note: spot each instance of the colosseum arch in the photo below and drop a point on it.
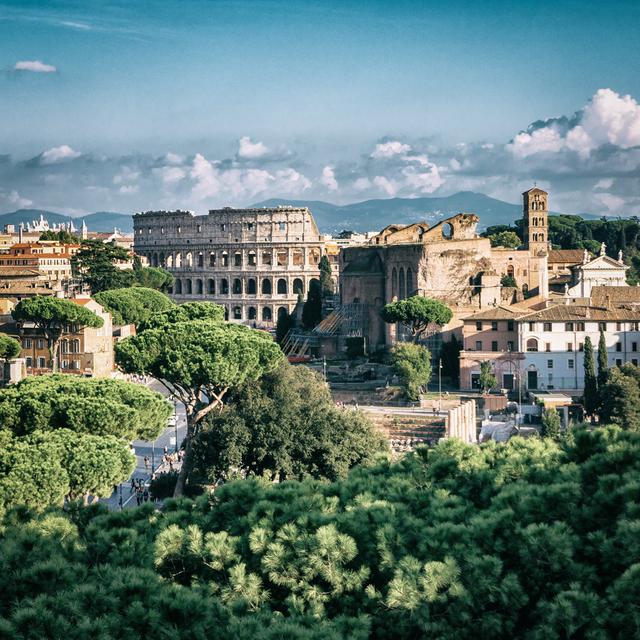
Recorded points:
(251, 314)
(298, 286)
(211, 286)
(282, 257)
(169, 261)
(237, 312)
(212, 259)
(267, 288)
(402, 292)
(237, 286)
(297, 257)
(200, 260)
(225, 258)
(266, 314)
(224, 287)
(199, 287)
(282, 286)
(282, 312)
(178, 260)
(251, 286)
(314, 256)
(237, 259)
(188, 287)
(178, 286)
(189, 259)
(267, 257)
(252, 259)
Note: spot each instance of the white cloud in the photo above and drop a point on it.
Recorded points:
(423, 181)
(126, 174)
(362, 184)
(170, 175)
(173, 158)
(613, 203)
(127, 189)
(15, 199)
(390, 149)
(251, 150)
(328, 179)
(34, 66)
(543, 140)
(604, 184)
(386, 185)
(58, 154)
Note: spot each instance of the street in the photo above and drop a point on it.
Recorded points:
(153, 450)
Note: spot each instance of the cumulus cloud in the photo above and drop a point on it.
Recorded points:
(58, 154)
(16, 200)
(170, 175)
(328, 178)
(251, 150)
(34, 66)
(389, 149)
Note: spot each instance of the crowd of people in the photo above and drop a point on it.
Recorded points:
(141, 490)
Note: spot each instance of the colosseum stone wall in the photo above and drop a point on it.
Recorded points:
(254, 262)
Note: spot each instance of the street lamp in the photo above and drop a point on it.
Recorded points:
(175, 420)
(440, 385)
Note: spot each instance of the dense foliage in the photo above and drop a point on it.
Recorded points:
(9, 347)
(507, 239)
(620, 397)
(63, 236)
(198, 362)
(312, 309)
(529, 539)
(419, 314)
(326, 280)
(50, 315)
(285, 426)
(95, 265)
(412, 364)
(134, 305)
(590, 399)
(67, 436)
(184, 312)
(487, 379)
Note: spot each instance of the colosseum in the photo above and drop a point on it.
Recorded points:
(254, 262)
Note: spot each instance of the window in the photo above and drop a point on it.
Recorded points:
(634, 361)
(237, 259)
(494, 325)
(224, 286)
(267, 257)
(509, 325)
(510, 345)
(549, 364)
(636, 326)
(282, 226)
(237, 286)
(602, 326)
(200, 260)
(252, 313)
(580, 326)
(532, 344)
(40, 343)
(494, 345)
(618, 362)
(282, 286)
(568, 326)
(266, 314)
(532, 326)
(618, 326)
(253, 260)
(569, 346)
(225, 259)
(298, 286)
(237, 313)
(580, 346)
(547, 346)
(266, 287)
(478, 326)
(29, 361)
(211, 285)
(547, 326)
(212, 259)
(223, 227)
(42, 363)
(282, 257)
(26, 343)
(478, 345)
(550, 380)
(571, 363)
(199, 228)
(251, 288)
(618, 346)
(634, 346)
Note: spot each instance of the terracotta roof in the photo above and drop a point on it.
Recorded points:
(579, 313)
(497, 313)
(571, 256)
(615, 295)
(28, 272)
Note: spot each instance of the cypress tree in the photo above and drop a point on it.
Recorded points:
(590, 399)
(603, 362)
(326, 282)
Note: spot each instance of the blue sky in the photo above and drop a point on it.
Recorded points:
(129, 105)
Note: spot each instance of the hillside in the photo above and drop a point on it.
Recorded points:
(99, 221)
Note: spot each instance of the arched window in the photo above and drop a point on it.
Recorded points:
(211, 285)
(237, 313)
(64, 346)
(226, 312)
(510, 271)
(402, 292)
(394, 283)
(314, 256)
(532, 344)
(297, 257)
(199, 287)
(178, 260)
(410, 289)
(267, 257)
(252, 259)
(282, 286)
(169, 261)
(237, 258)
(237, 286)
(266, 314)
(189, 259)
(298, 286)
(251, 286)
(200, 260)
(282, 311)
(225, 259)
(189, 290)
(542, 237)
(252, 313)
(212, 259)
(224, 286)
(154, 260)
(282, 255)
(161, 259)
(266, 286)
(178, 287)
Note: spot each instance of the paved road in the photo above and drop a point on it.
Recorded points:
(153, 450)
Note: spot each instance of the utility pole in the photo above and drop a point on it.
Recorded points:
(175, 421)
(324, 367)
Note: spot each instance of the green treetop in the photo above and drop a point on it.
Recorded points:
(50, 315)
(312, 309)
(184, 313)
(412, 363)
(198, 362)
(134, 305)
(63, 236)
(550, 424)
(603, 361)
(507, 239)
(9, 347)
(326, 281)
(95, 266)
(419, 314)
(487, 378)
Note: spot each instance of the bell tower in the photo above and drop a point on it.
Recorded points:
(535, 213)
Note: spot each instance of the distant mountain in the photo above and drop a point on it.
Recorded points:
(99, 221)
(373, 215)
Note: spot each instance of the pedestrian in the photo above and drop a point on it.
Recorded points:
(133, 485)
(145, 495)
(165, 451)
(139, 496)
(146, 463)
